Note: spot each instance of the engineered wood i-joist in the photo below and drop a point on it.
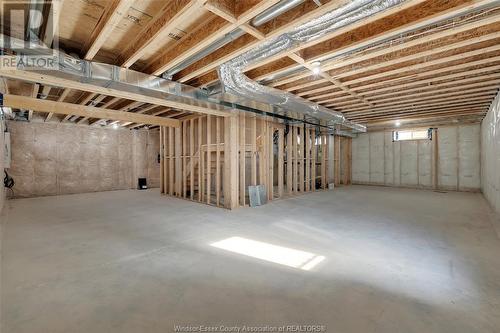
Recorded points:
(439, 34)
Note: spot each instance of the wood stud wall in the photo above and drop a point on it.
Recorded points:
(288, 160)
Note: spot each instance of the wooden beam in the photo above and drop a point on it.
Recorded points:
(107, 22)
(46, 78)
(22, 102)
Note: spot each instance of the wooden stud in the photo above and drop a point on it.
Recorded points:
(209, 158)
(171, 161)
(289, 163)
(200, 159)
(336, 160)
(184, 158)
(242, 150)
(178, 161)
(302, 160)
(192, 159)
(230, 162)
(281, 166)
(162, 190)
(253, 142)
(307, 135)
(295, 160)
(313, 162)
(217, 160)
(270, 161)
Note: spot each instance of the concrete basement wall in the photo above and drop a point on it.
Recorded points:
(490, 157)
(377, 160)
(58, 158)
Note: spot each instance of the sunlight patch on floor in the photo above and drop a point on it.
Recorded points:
(269, 252)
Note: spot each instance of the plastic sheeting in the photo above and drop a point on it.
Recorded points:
(377, 160)
(2, 162)
(54, 159)
(490, 147)
(448, 158)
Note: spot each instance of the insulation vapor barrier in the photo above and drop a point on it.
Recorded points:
(490, 148)
(378, 160)
(236, 83)
(55, 159)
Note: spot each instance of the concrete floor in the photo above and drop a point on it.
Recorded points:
(395, 260)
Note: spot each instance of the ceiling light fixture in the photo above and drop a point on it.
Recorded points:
(398, 123)
(115, 126)
(316, 69)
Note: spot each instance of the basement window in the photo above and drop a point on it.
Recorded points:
(412, 135)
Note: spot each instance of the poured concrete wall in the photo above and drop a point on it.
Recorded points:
(490, 156)
(377, 160)
(54, 159)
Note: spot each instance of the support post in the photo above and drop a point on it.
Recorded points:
(231, 162)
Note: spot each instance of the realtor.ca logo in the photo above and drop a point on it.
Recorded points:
(29, 34)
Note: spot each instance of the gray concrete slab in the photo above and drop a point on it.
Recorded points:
(395, 260)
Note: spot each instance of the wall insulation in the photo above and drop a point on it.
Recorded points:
(490, 157)
(59, 158)
(450, 163)
(2, 163)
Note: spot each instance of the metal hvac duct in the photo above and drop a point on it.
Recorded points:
(236, 83)
(91, 73)
(272, 12)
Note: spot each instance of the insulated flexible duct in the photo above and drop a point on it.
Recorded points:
(236, 83)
